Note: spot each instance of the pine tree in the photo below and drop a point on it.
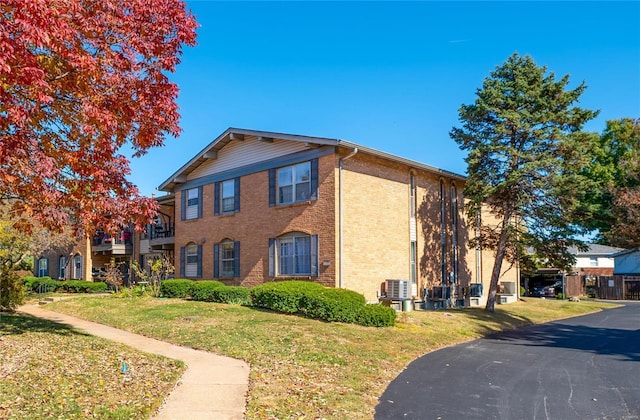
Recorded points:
(525, 154)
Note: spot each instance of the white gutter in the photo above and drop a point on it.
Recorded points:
(340, 215)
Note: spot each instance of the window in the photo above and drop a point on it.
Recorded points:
(412, 197)
(414, 274)
(443, 251)
(294, 255)
(454, 232)
(62, 267)
(191, 203)
(593, 261)
(293, 184)
(43, 267)
(227, 196)
(226, 259)
(191, 260)
(77, 267)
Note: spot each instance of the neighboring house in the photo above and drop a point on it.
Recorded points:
(84, 259)
(627, 262)
(257, 206)
(72, 262)
(597, 260)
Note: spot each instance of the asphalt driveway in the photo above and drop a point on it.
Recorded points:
(580, 368)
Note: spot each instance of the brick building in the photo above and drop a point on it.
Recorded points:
(257, 206)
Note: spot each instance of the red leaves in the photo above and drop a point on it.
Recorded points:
(78, 81)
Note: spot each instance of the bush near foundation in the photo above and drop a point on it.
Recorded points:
(333, 305)
(215, 291)
(40, 284)
(176, 288)
(81, 286)
(282, 296)
(319, 302)
(376, 316)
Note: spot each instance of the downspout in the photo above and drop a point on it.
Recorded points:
(340, 214)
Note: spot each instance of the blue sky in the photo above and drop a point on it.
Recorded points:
(387, 75)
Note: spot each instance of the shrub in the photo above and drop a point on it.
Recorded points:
(237, 295)
(333, 305)
(203, 290)
(28, 281)
(178, 288)
(80, 286)
(11, 291)
(282, 296)
(319, 302)
(559, 296)
(43, 284)
(376, 316)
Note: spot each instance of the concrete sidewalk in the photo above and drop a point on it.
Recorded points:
(212, 387)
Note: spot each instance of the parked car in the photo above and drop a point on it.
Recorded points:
(548, 291)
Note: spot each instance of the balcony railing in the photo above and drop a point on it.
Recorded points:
(160, 237)
(119, 244)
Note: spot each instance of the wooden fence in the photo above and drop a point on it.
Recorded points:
(618, 287)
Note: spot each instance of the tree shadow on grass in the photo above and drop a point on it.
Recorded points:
(14, 324)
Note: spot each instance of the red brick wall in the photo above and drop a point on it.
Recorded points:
(256, 222)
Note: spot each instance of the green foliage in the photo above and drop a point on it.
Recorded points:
(523, 291)
(41, 284)
(376, 316)
(559, 296)
(177, 288)
(333, 305)
(614, 164)
(215, 291)
(316, 301)
(526, 160)
(202, 290)
(282, 296)
(237, 295)
(80, 286)
(135, 291)
(11, 291)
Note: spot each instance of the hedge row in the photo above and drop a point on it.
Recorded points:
(47, 284)
(205, 291)
(318, 302)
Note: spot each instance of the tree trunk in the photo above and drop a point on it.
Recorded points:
(501, 251)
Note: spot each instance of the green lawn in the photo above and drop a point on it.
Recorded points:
(49, 370)
(306, 369)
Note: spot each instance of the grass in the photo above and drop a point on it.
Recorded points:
(306, 369)
(49, 370)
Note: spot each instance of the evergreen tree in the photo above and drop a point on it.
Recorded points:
(526, 153)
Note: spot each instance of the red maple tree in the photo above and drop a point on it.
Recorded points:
(81, 81)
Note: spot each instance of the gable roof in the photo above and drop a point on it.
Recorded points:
(625, 252)
(595, 250)
(210, 152)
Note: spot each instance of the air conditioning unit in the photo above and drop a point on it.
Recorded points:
(398, 289)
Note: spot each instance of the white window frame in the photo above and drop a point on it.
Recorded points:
(77, 267)
(227, 259)
(191, 260)
(593, 262)
(291, 257)
(284, 181)
(43, 267)
(193, 203)
(62, 267)
(228, 196)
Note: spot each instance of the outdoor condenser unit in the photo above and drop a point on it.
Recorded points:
(398, 289)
